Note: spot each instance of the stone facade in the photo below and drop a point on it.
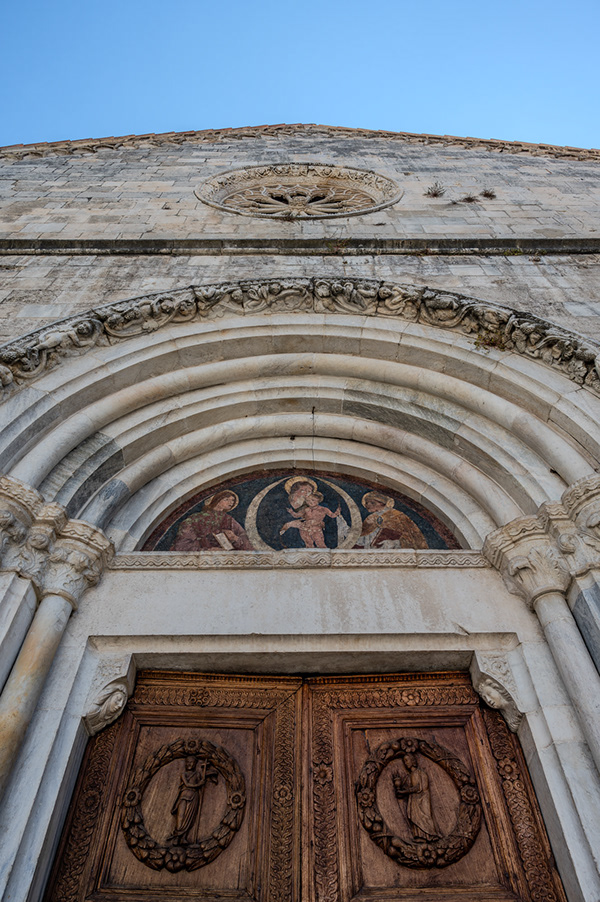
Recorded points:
(445, 345)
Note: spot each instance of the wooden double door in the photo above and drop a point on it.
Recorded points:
(376, 788)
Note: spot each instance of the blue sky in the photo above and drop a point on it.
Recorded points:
(514, 70)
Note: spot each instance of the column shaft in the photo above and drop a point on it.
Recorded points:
(576, 667)
(26, 681)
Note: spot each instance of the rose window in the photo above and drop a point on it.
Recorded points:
(299, 191)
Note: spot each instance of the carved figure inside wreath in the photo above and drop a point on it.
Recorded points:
(187, 808)
(413, 788)
(430, 847)
(183, 850)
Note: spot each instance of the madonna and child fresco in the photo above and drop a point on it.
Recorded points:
(271, 511)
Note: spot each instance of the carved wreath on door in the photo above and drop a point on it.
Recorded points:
(204, 763)
(429, 848)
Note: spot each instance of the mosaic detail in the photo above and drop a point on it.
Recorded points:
(299, 191)
(275, 511)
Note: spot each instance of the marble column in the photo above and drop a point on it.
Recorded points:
(74, 563)
(534, 568)
(581, 502)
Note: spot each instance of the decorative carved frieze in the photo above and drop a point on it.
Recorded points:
(225, 135)
(292, 560)
(491, 326)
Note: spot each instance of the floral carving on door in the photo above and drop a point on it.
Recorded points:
(327, 789)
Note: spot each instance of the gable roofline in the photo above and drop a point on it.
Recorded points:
(213, 136)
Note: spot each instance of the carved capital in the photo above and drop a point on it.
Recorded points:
(582, 502)
(77, 561)
(19, 504)
(528, 559)
(494, 682)
(579, 546)
(108, 699)
(34, 553)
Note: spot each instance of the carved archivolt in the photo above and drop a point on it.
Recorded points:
(299, 191)
(491, 326)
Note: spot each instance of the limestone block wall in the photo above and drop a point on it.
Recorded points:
(87, 228)
(148, 191)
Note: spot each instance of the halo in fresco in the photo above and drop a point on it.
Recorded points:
(275, 511)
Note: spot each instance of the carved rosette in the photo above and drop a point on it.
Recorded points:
(299, 191)
(436, 853)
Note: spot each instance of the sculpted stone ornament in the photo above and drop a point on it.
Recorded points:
(109, 703)
(267, 560)
(429, 849)
(299, 191)
(582, 501)
(577, 542)
(35, 552)
(528, 559)
(77, 561)
(213, 136)
(497, 697)
(183, 850)
(492, 327)
(493, 680)
(19, 505)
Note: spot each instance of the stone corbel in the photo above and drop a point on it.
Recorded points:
(19, 505)
(77, 561)
(493, 680)
(528, 559)
(110, 693)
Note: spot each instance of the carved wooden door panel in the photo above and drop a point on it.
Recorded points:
(192, 795)
(416, 793)
(375, 788)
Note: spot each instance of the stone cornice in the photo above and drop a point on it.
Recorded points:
(295, 560)
(299, 247)
(311, 131)
(490, 326)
